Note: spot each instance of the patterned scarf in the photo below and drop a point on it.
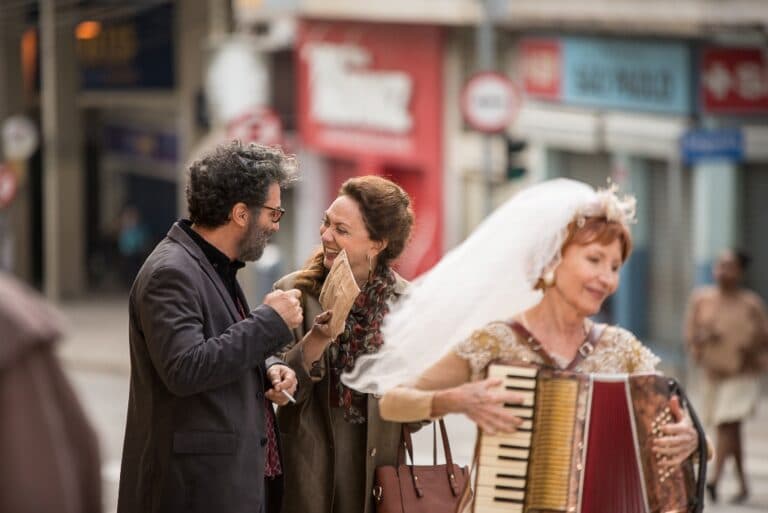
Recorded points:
(361, 335)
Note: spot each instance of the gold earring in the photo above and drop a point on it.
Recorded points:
(370, 267)
(548, 279)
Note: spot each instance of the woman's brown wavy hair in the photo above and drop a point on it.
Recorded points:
(387, 214)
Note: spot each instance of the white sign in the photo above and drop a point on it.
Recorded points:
(490, 102)
(19, 138)
(259, 125)
(237, 80)
(344, 92)
(748, 80)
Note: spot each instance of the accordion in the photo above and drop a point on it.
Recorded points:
(585, 447)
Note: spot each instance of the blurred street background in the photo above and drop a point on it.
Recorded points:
(103, 103)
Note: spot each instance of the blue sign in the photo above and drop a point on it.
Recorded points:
(629, 75)
(132, 142)
(725, 144)
(129, 53)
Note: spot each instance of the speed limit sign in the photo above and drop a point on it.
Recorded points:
(8, 186)
(490, 102)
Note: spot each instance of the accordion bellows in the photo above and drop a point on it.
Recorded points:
(584, 446)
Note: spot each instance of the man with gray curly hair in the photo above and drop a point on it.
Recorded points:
(200, 433)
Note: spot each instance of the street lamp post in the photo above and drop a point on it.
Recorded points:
(485, 41)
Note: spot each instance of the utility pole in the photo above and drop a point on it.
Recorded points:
(63, 175)
(485, 44)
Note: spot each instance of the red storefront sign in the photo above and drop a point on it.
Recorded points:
(734, 80)
(541, 65)
(370, 89)
(8, 186)
(370, 101)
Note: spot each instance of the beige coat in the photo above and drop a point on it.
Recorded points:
(727, 333)
(305, 428)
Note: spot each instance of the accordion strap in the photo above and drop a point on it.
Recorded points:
(697, 502)
(585, 349)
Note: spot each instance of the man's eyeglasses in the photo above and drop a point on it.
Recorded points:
(277, 213)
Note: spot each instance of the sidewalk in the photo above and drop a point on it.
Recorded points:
(97, 335)
(96, 356)
(756, 465)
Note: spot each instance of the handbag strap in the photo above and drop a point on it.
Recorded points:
(449, 466)
(408, 443)
(434, 445)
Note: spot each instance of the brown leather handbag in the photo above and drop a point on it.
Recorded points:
(421, 488)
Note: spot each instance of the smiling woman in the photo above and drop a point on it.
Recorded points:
(332, 429)
(343, 228)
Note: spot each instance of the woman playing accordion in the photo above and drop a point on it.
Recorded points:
(530, 277)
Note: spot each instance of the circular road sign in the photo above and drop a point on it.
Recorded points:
(260, 125)
(490, 102)
(19, 138)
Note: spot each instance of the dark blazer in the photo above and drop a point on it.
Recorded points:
(195, 438)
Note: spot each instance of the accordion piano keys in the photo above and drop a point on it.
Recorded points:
(503, 463)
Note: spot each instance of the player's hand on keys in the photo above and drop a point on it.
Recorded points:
(485, 403)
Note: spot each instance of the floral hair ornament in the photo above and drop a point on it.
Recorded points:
(608, 204)
(603, 203)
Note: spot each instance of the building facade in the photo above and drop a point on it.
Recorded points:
(621, 90)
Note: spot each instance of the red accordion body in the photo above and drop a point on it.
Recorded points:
(584, 447)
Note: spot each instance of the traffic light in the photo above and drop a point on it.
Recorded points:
(515, 168)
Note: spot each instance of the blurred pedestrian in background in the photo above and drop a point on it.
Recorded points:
(726, 333)
(49, 458)
(132, 243)
(201, 434)
(333, 432)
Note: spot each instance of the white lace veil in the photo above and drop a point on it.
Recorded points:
(489, 277)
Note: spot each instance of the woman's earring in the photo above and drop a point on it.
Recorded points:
(548, 279)
(370, 267)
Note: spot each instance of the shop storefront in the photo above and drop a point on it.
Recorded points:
(600, 108)
(131, 160)
(734, 97)
(131, 192)
(370, 101)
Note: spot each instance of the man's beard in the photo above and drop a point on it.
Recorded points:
(252, 245)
